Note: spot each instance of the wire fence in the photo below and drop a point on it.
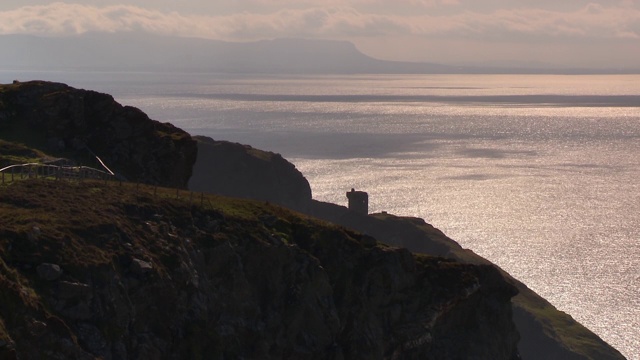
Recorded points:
(19, 172)
(37, 171)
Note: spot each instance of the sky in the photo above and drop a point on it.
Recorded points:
(571, 33)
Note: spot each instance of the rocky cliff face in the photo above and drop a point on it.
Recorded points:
(124, 273)
(57, 118)
(239, 170)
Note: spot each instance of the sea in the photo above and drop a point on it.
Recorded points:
(539, 174)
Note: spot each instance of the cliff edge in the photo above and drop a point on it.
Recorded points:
(102, 270)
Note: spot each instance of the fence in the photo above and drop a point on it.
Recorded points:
(35, 171)
(54, 172)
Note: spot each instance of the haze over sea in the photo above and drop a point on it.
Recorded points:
(537, 173)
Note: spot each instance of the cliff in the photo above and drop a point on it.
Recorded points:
(97, 269)
(239, 170)
(80, 124)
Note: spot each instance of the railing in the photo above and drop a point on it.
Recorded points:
(35, 171)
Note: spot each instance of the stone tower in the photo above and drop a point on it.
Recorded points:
(358, 201)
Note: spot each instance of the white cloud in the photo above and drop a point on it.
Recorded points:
(592, 21)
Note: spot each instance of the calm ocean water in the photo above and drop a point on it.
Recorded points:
(538, 174)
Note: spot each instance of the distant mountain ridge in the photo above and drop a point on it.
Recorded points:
(138, 51)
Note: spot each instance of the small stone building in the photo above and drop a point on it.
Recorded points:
(358, 201)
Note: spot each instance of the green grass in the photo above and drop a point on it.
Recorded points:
(562, 327)
(12, 153)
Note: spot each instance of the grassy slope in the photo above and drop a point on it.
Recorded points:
(12, 153)
(90, 224)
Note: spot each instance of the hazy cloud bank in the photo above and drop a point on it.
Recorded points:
(593, 21)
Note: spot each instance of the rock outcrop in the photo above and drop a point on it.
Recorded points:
(75, 123)
(237, 170)
(145, 276)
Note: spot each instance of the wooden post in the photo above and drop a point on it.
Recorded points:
(202, 200)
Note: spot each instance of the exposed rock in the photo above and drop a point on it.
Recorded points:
(33, 234)
(141, 267)
(49, 272)
(72, 290)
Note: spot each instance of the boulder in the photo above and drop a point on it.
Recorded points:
(141, 267)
